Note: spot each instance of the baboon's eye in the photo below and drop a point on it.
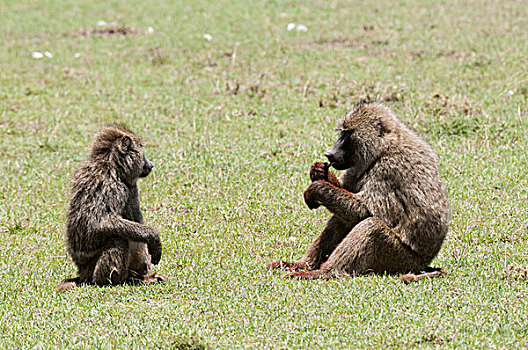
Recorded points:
(347, 132)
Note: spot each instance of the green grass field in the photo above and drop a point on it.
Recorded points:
(233, 125)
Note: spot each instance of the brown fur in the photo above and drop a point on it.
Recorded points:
(390, 210)
(105, 234)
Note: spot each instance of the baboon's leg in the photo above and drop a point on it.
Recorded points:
(86, 270)
(112, 265)
(321, 248)
(370, 246)
(326, 242)
(139, 264)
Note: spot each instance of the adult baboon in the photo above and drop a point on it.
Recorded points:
(390, 210)
(105, 234)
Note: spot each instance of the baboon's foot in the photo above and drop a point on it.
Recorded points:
(147, 279)
(299, 266)
(428, 273)
(157, 278)
(67, 284)
(288, 266)
(309, 275)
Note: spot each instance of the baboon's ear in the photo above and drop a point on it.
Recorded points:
(124, 144)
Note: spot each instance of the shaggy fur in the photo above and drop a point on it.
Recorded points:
(105, 234)
(390, 210)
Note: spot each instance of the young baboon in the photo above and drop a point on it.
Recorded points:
(390, 210)
(105, 234)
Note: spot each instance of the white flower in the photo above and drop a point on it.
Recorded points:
(150, 30)
(207, 37)
(510, 93)
(37, 55)
(48, 54)
(77, 55)
(301, 28)
(290, 26)
(101, 23)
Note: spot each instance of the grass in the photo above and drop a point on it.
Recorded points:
(233, 125)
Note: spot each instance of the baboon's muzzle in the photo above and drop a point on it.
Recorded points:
(147, 168)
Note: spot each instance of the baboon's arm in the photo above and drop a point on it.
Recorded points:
(334, 180)
(344, 204)
(133, 231)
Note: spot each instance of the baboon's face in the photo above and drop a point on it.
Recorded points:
(147, 166)
(358, 147)
(143, 165)
(340, 155)
(135, 162)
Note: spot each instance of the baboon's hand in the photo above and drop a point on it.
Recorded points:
(311, 195)
(308, 275)
(289, 266)
(319, 171)
(155, 250)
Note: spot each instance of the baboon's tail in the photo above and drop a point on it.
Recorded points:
(428, 272)
(68, 284)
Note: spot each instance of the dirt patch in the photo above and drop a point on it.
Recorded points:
(69, 72)
(443, 105)
(343, 96)
(434, 339)
(519, 273)
(157, 56)
(452, 115)
(335, 44)
(108, 31)
(187, 344)
(254, 87)
(470, 59)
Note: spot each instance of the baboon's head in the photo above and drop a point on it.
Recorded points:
(121, 149)
(362, 139)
